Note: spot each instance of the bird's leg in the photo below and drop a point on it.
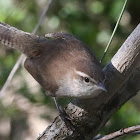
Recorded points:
(66, 118)
(63, 115)
(59, 108)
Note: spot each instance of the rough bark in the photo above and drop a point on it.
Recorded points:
(90, 115)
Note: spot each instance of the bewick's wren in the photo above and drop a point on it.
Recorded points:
(63, 65)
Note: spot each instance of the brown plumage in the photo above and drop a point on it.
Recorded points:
(53, 62)
(22, 41)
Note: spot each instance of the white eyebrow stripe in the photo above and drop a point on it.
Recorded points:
(81, 73)
(85, 75)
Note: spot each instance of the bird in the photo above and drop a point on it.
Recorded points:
(60, 62)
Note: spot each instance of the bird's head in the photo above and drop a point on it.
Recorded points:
(81, 85)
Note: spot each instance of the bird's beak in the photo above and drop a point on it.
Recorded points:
(102, 86)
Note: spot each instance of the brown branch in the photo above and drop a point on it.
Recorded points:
(119, 133)
(90, 115)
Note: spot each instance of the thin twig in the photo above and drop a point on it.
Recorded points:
(22, 57)
(11, 75)
(42, 17)
(122, 132)
(115, 28)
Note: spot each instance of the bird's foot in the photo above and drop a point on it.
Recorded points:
(64, 116)
(66, 119)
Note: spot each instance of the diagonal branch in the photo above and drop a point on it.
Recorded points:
(125, 131)
(90, 115)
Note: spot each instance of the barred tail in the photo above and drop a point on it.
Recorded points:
(22, 41)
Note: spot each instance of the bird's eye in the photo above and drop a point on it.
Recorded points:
(86, 79)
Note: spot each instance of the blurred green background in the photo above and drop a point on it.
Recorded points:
(25, 111)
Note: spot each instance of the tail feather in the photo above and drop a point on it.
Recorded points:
(22, 41)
